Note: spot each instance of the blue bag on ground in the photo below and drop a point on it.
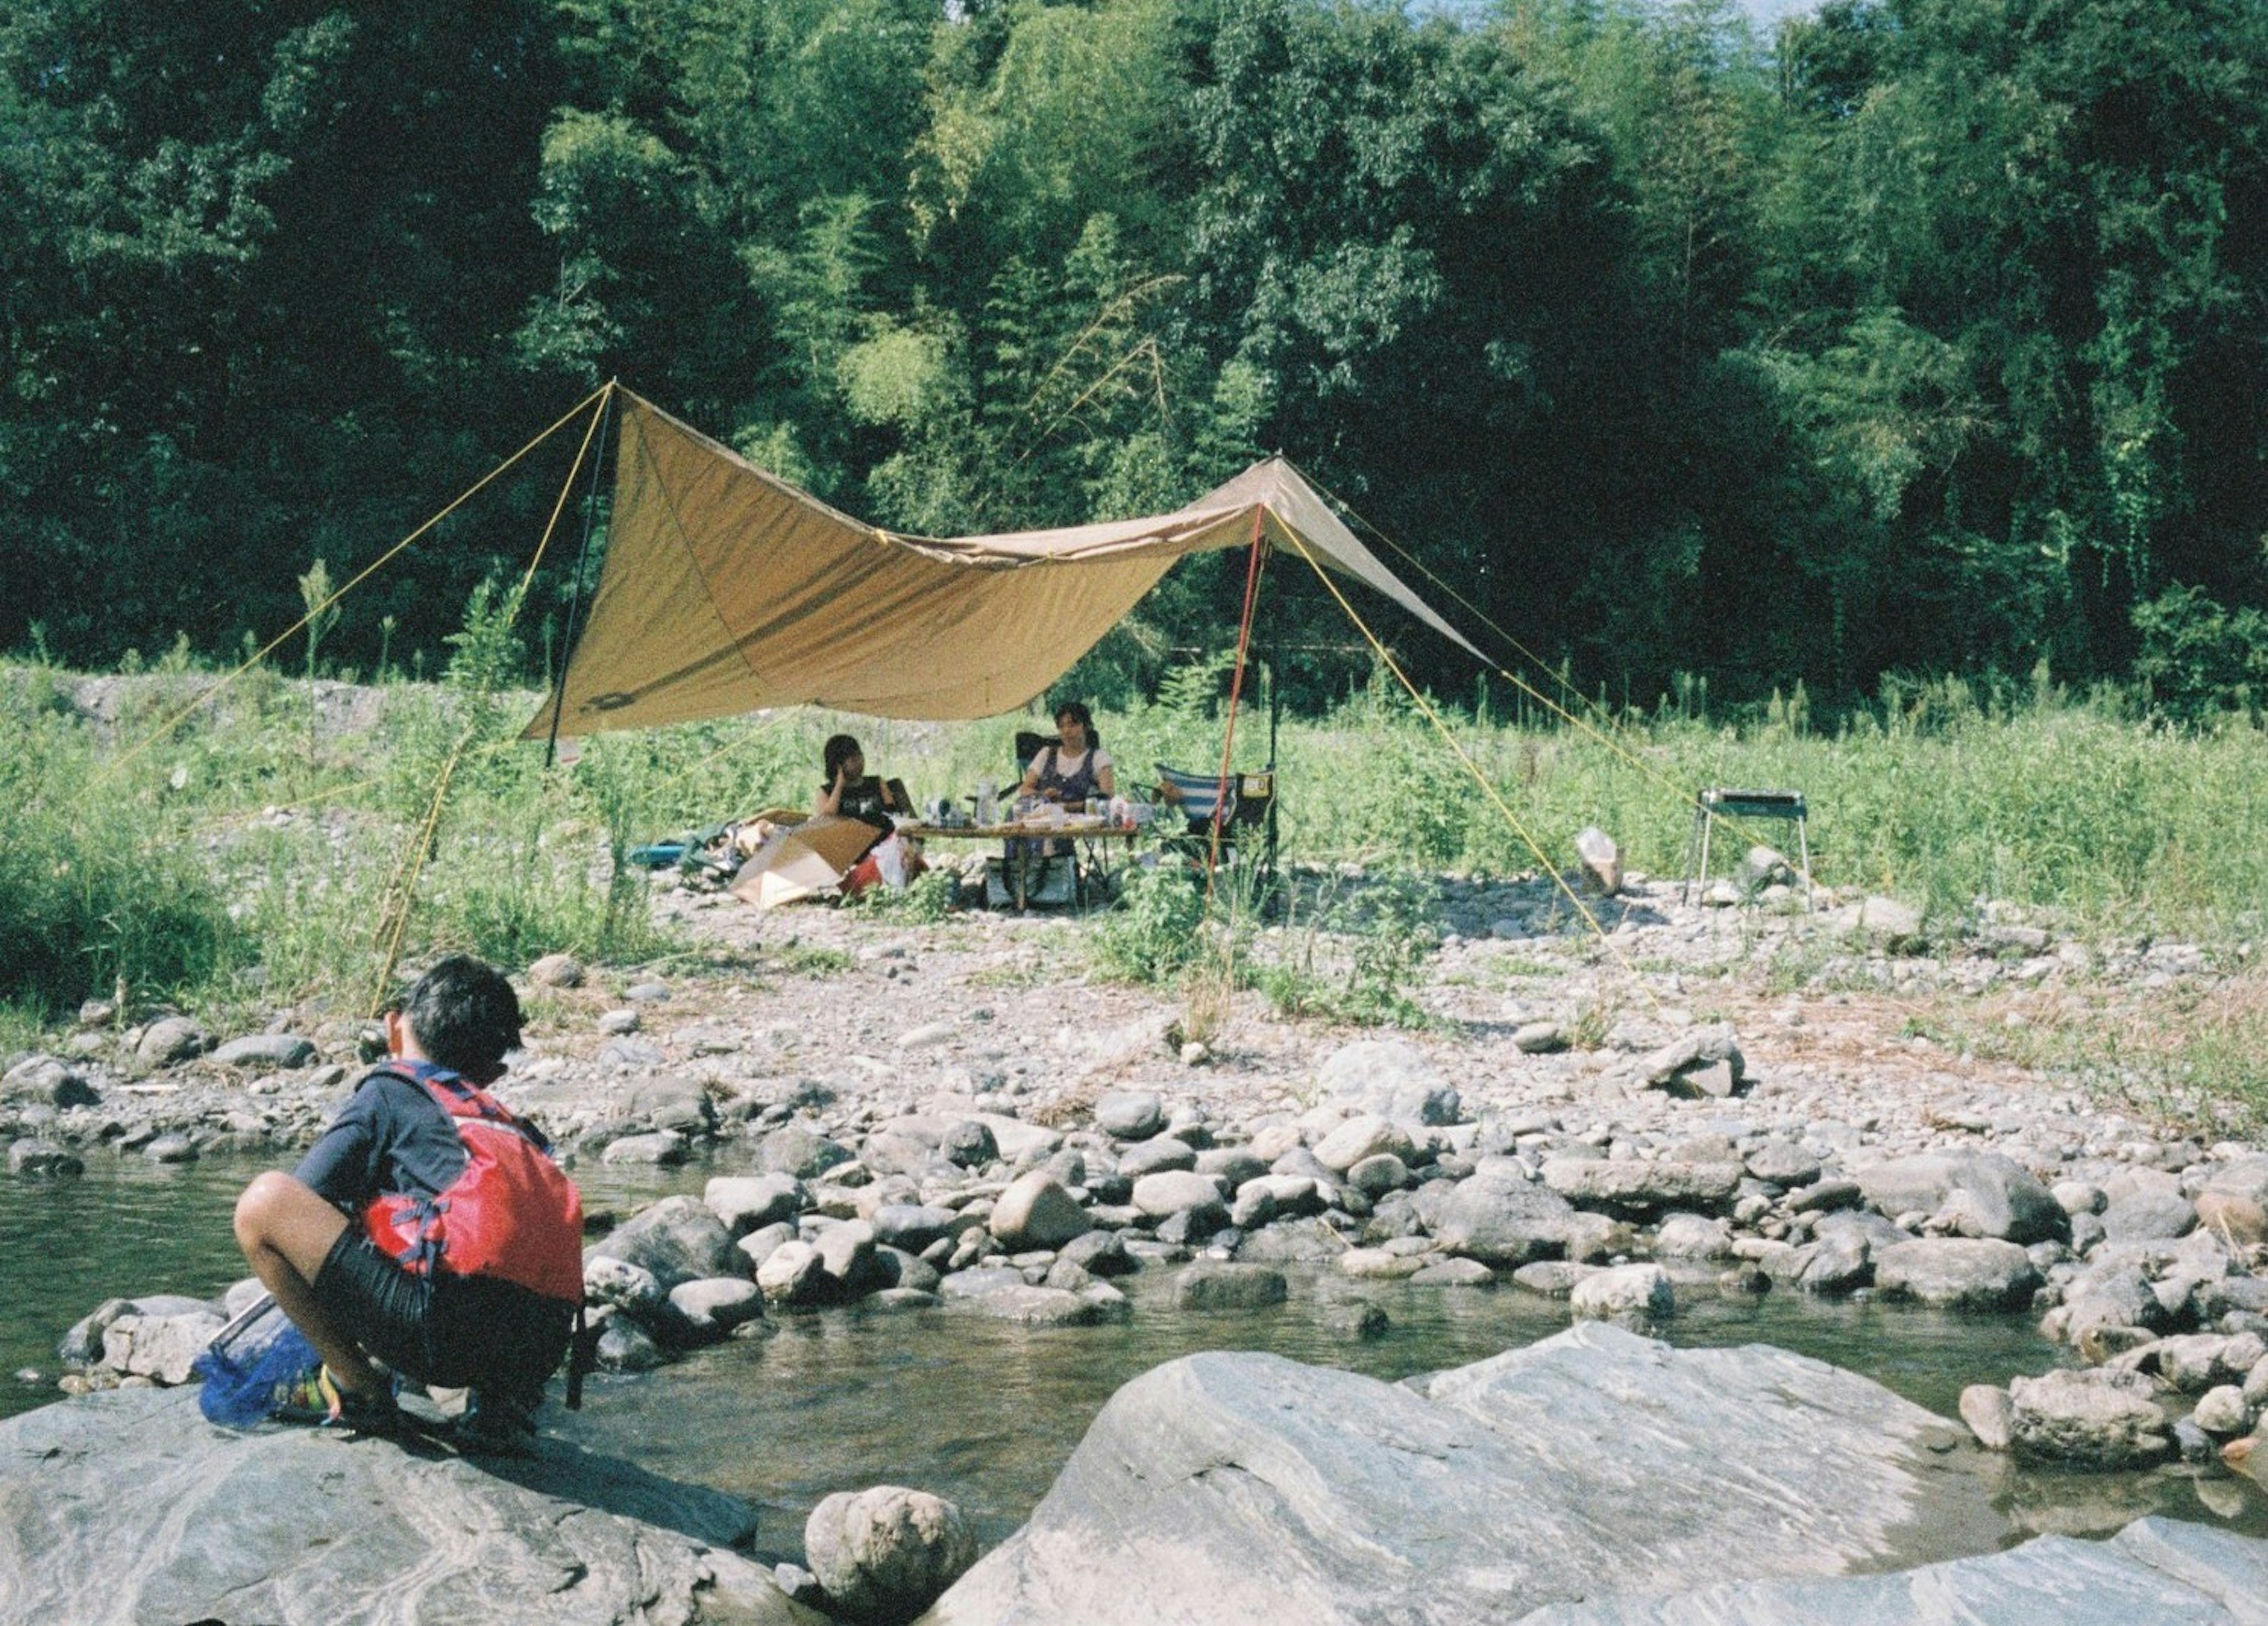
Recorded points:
(255, 1367)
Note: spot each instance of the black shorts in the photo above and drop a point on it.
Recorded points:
(451, 1331)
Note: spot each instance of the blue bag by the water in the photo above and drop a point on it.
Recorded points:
(252, 1374)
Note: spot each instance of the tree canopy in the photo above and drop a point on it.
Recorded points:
(1918, 335)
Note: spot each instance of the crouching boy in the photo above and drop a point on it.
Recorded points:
(429, 1228)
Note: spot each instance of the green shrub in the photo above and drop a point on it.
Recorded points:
(1155, 932)
(2200, 660)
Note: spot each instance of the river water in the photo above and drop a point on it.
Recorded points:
(983, 1412)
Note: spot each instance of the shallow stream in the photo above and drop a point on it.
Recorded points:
(985, 1413)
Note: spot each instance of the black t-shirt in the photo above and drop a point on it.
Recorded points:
(390, 1138)
(863, 800)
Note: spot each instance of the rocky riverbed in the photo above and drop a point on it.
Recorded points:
(908, 1113)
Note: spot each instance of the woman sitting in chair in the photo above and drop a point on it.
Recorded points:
(1072, 771)
(848, 792)
(1076, 768)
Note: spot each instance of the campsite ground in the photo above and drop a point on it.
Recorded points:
(2082, 890)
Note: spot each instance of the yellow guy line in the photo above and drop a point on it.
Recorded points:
(567, 490)
(1473, 768)
(1613, 745)
(412, 864)
(413, 867)
(166, 727)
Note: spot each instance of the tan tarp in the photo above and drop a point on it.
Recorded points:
(727, 590)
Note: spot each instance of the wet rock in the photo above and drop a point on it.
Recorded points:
(1244, 1487)
(2156, 1569)
(43, 1159)
(1101, 1252)
(1624, 1293)
(1504, 1220)
(2222, 1412)
(299, 1525)
(630, 1288)
(171, 1149)
(160, 1346)
(1213, 1285)
(624, 1345)
(884, 1555)
(1838, 1264)
(743, 1203)
(677, 1240)
(1988, 1414)
(792, 1277)
(662, 1148)
(1041, 1306)
(2095, 1419)
(1693, 1236)
(1958, 1272)
(1454, 1273)
(286, 1051)
(712, 1307)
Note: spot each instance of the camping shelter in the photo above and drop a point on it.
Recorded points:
(726, 590)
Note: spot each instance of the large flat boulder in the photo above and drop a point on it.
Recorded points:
(127, 1506)
(2157, 1570)
(1235, 1486)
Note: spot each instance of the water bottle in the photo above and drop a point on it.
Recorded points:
(987, 793)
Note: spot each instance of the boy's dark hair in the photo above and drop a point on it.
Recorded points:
(464, 1016)
(839, 749)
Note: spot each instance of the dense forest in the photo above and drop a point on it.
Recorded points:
(1911, 336)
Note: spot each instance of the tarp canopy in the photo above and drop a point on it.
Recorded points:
(726, 590)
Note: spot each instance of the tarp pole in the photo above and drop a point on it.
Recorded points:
(582, 559)
(1235, 691)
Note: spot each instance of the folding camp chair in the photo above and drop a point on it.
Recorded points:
(1024, 876)
(1247, 803)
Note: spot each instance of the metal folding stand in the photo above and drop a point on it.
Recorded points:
(1787, 805)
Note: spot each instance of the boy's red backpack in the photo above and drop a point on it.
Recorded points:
(513, 1213)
